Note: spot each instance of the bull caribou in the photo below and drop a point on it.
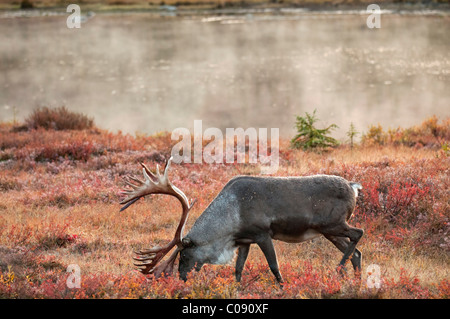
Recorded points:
(251, 210)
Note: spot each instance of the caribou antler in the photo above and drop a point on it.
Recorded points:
(148, 259)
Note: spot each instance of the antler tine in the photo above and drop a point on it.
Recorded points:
(150, 251)
(153, 184)
(134, 179)
(150, 265)
(128, 204)
(128, 179)
(166, 169)
(148, 174)
(158, 174)
(156, 178)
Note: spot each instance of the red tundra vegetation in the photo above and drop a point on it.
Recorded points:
(59, 206)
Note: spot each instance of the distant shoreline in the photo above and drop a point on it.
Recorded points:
(224, 6)
(170, 12)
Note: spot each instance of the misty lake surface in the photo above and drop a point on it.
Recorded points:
(141, 72)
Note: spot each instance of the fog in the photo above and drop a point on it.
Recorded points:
(143, 73)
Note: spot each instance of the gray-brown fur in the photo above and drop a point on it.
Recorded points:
(258, 209)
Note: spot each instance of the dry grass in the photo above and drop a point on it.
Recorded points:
(58, 119)
(59, 206)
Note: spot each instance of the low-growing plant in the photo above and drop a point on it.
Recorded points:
(59, 118)
(352, 133)
(309, 137)
(430, 133)
(375, 135)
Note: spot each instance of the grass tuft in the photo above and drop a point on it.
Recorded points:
(58, 119)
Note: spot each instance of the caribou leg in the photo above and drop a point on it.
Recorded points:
(240, 261)
(342, 244)
(266, 245)
(344, 230)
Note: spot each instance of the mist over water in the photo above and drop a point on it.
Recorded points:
(141, 73)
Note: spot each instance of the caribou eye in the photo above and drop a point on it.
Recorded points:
(187, 242)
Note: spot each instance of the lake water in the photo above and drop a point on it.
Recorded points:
(140, 72)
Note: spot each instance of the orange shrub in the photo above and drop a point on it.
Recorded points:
(58, 119)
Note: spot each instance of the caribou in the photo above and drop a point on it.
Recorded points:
(251, 210)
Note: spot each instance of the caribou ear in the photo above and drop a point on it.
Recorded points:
(186, 242)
